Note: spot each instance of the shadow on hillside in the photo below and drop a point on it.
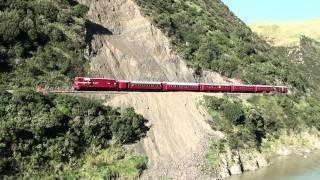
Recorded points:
(142, 134)
(5, 67)
(73, 2)
(94, 29)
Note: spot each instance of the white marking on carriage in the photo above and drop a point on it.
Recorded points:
(182, 84)
(145, 82)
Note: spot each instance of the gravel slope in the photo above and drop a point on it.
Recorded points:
(177, 141)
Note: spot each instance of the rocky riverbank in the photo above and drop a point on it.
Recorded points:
(235, 162)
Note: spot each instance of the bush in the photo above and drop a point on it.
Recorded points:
(9, 23)
(233, 112)
(38, 132)
(129, 127)
(79, 10)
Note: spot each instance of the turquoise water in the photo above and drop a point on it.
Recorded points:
(293, 167)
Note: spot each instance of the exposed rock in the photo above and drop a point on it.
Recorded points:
(237, 162)
(123, 44)
(134, 49)
(252, 160)
(261, 161)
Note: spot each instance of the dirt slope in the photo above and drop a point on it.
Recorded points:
(128, 46)
(123, 44)
(177, 142)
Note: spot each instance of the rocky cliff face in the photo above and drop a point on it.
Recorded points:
(237, 162)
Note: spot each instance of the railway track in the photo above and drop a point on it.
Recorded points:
(77, 92)
(91, 94)
(86, 92)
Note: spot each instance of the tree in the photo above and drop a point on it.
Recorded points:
(9, 25)
(233, 112)
(129, 127)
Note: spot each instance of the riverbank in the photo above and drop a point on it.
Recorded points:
(293, 167)
(233, 163)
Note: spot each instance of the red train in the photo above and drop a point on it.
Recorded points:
(97, 84)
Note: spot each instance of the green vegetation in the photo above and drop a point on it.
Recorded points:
(209, 36)
(115, 162)
(41, 42)
(64, 136)
(247, 122)
(307, 55)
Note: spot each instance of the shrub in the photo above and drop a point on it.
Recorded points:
(80, 10)
(233, 112)
(129, 127)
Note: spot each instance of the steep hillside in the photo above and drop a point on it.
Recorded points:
(123, 44)
(184, 40)
(48, 136)
(307, 55)
(41, 42)
(49, 42)
(66, 137)
(176, 144)
(287, 34)
(209, 36)
(133, 48)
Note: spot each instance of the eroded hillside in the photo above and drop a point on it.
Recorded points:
(134, 49)
(123, 44)
(177, 142)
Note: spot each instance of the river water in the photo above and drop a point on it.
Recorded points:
(295, 167)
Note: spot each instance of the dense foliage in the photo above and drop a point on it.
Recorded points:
(307, 55)
(41, 42)
(209, 36)
(247, 122)
(45, 134)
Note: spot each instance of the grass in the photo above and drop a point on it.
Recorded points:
(290, 141)
(287, 33)
(114, 162)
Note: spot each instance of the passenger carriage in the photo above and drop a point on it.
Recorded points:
(215, 87)
(144, 86)
(176, 86)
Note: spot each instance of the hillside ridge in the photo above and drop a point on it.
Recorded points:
(287, 33)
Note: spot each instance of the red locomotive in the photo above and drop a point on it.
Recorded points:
(96, 84)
